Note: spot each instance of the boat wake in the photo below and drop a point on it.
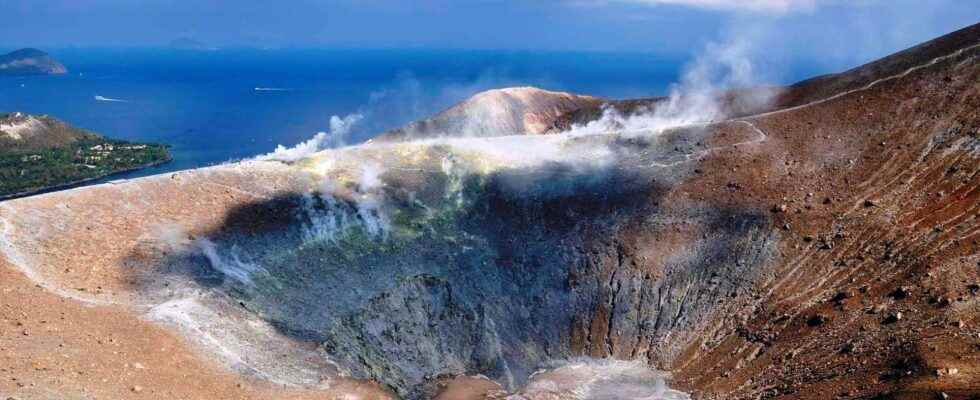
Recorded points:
(110, 99)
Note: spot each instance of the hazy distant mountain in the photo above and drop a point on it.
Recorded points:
(190, 44)
(30, 62)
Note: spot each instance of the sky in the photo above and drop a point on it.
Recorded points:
(834, 31)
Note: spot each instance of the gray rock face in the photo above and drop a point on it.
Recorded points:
(30, 62)
(492, 274)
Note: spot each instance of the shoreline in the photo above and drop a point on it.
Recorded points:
(81, 182)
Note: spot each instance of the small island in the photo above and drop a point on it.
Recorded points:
(39, 153)
(30, 62)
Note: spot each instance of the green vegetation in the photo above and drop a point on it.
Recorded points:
(90, 157)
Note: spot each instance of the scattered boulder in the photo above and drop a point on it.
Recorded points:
(817, 320)
(840, 296)
(941, 301)
(893, 317)
(901, 292)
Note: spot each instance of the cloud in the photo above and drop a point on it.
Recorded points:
(761, 6)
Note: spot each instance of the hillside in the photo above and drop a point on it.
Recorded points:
(494, 113)
(807, 91)
(30, 62)
(823, 247)
(40, 152)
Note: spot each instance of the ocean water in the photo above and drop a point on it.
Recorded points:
(217, 106)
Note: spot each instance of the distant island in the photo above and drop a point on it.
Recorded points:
(39, 153)
(30, 62)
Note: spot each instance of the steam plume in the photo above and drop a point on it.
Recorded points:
(231, 266)
(698, 98)
(340, 129)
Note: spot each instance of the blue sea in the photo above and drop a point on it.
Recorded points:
(217, 106)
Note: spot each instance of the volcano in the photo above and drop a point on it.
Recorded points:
(822, 245)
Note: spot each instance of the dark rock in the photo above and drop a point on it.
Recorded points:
(941, 301)
(817, 320)
(900, 293)
(840, 296)
(893, 318)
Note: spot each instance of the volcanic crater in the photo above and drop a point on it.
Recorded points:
(823, 246)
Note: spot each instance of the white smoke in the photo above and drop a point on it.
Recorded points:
(340, 129)
(697, 98)
(231, 266)
(369, 199)
(336, 209)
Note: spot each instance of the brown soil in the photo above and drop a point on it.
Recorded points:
(56, 348)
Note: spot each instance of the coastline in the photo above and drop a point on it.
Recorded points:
(81, 182)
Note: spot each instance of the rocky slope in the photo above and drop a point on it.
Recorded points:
(20, 131)
(738, 102)
(30, 62)
(825, 248)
